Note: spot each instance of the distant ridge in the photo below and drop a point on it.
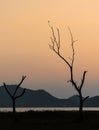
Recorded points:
(31, 98)
(41, 98)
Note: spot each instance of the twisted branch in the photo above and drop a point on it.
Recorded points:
(56, 48)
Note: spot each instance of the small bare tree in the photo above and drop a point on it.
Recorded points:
(14, 96)
(56, 48)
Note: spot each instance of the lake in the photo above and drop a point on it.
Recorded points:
(49, 109)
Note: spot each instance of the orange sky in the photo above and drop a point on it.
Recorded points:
(24, 39)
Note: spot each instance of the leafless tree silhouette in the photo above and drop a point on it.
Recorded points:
(14, 96)
(55, 46)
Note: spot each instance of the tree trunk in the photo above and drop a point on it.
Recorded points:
(81, 109)
(14, 110)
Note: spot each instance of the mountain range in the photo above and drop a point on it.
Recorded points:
(41, 98)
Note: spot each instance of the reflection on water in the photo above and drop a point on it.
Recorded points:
(49, 109)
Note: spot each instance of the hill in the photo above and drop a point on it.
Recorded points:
(31, 98)
(41, 98)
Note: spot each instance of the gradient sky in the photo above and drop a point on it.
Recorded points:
(24, 39)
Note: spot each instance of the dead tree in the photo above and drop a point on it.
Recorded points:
(14, 96)
(56, 48)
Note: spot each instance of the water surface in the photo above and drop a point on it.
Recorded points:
(49, 109)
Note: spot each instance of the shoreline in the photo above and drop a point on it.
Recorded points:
(40, 109)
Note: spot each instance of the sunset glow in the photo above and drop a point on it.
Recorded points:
(24, 39)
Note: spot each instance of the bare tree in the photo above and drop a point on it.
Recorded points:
(56, 48)
(14, 96)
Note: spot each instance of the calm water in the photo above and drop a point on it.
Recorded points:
(49, 109)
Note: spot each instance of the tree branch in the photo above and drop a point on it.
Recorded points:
(54, 41)
(20, 94)
(83, 79)
(75, 85)
(23, 77)
(7, 90)
(58, 43)
(85, 98)
(72, 45)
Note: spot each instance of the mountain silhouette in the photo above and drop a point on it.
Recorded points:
(92, 102)
(31, 98)
(41, 98)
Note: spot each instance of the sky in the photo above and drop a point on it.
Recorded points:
(24, 39)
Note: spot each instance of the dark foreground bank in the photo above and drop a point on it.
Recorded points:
(57, 120)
